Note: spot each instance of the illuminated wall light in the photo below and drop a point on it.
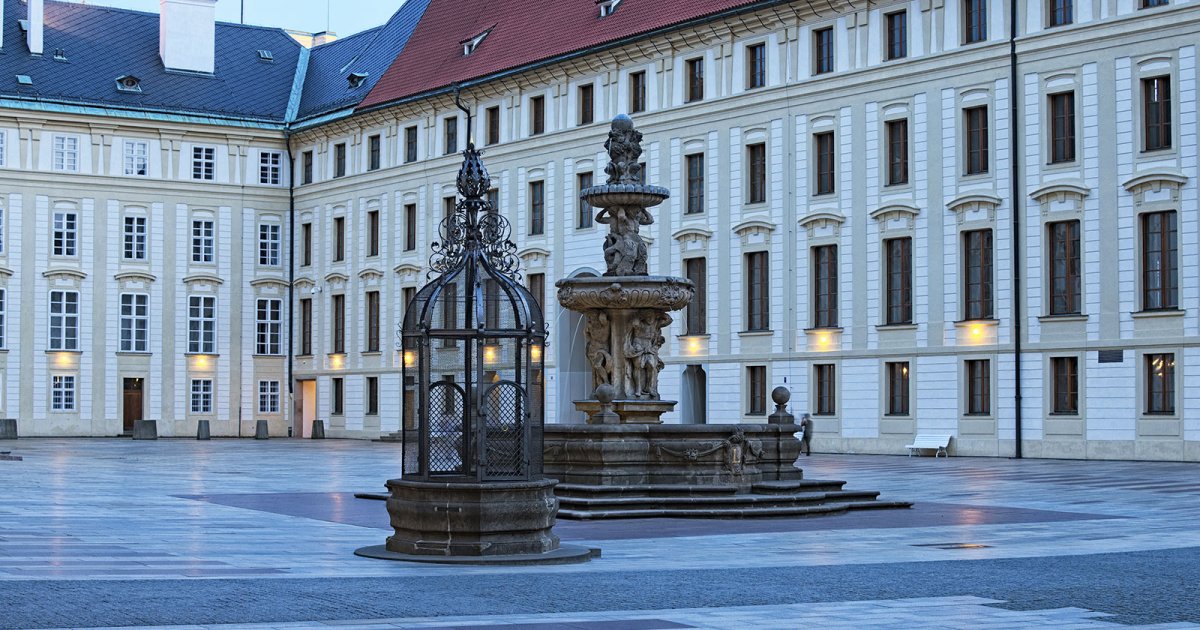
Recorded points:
(535, 353)
(201, 362)
(491, 355)
(64, 359)
(410, 358)
(337, 361)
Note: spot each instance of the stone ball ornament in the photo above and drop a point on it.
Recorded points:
(781, 395)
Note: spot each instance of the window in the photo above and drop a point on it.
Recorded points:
(269, 244)
(974, 21)
(823, 50)
(1061, 12)
(537, 286)
(897, 35)
(493, 199)
(825, 286)
(3, 318)
(306, 327)
(307, 167)
(695, 80)
(450, 135)
(339, 239)
(410, 144)
(372, 395)
(583, 181)
(1160, 383)
(897, 388)
(306, 244)
(135, 322)
(62, 393)
(1156, 113)
(976, 123)
(449, 312)
(202, 392)
(493, 125)
(1065, 298)
(826, 168)
(1062, 127)
(1, 211)
(202, 324)
(410, 227)
(203, 241)
(898, 292)
(372, 321)
(270, 168)
(637, 92)
(374, 152)
(1160, 269)
(695, 184)
(1149, 4)
(64, 320)
(448, 207)
(587, 104)
(756, 159)
(66, 154)
(339, 159)
(64, 237)
(338, 400)
(696, 322)
(537, 208)
(757, 292)
(826, 385)
(1064, 381)
(204, 163)
(756, 390)
(268, 397)
(756, 66)
(337, 315)
(537, 115)
(977, 245)
(979, 387)
(372, 233)
(268, 338)
(137, 157)
(3, 148)
(406, 296)
(135, 238)
(897, 152)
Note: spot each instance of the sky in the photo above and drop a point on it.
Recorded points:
(344, 17)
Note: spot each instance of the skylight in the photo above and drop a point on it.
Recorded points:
(24, 79)
(356, 78)
(265, 55)
(60, 54)
(607, 7)
(129, 83)
(470, 45)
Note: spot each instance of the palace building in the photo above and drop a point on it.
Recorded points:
(964, 217)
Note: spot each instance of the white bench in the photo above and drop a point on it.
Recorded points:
(937, 442)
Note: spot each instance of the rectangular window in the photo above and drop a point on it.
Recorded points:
(372, 321)
(3, 148)
(897, 35)
(269, 244)
(637, 92)
(410, 227)
(3, 318)
(202, 395)
(695, 80)
(448, 207)
(493, 125)
(1062, 127)
(758, 303)
(268, 338)
(1160, 267)
(66, 154)
(202, 324)
(135, 238)
(339, 239)
(270, 168)
(696, 323)
(1065, 285)
(1149, 4)
(756, 66)
(587, 104)
(979, 387)
(135, 322)
(64, 320)
(823, 50)
(203, 241)
(899, 280)
(338, 399)
(65, 233)
(695, 183)
(307, 167)
(204, 163)
(62, 393)
(537, 208)
(374, 152)
(1061, 12)
(756, 390)
(537, 287)
(410, 144)
(897, 152)
(372, 396)
(493, 199)
(450, 135)
(306, 244)
(1156, 113)
(137, 158)
(1064, 379)
(976, 123)
(897, 388)
(825, 286)
(268, 397)
(406, 296)
(756, 160)
(450, 312)
(1160, 383)
(977, 285)
(306, 327)
(583, 181)
(826, 163)
(337, 317)
(1, 215)
(372, 233)
(339, 159)
(974, 21)
(537, 115)
(826, 385)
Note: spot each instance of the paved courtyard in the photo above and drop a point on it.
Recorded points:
(97, 533)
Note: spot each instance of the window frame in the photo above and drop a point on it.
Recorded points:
(306, 167)
(693, 172)
(694, 76)
(374, 152)
(1064, 385)
(492, 115)
(897, 166)
(202, 324)
(337, 399)
(825, 389)
(825, 289)
(637, 92)
(270, 168)
(825, 164)
(63, 317)
(976, 145)
(1070, 275)
(1165, 270)
(204, 240)
(64, 237)
(756, 66)
(899, 388)
(1059, 13)
(65, 153)
(306, 327)
(136, 163)
(537, 208)
(410, 227)
(978, 388)
(270, 244)
(1157, 130)
(339, 160)
(410, 144)
(756, 390)
(537, 115)
(758, 291)
(978, 283)
(450, 135)
(337, 323)
(372, 300)
(204, 163)
(895, 43)
(268, 327)
(268, 397)
(63, 393)
(974, 21)
(898, 281)
(695, 321)
(339, 238)
(134, 322)
(1062, 137)
(823, 50)
(585, 214)
(134, 237)
(201, 399)
(1160, 388)
(756, 173)
(587, 104)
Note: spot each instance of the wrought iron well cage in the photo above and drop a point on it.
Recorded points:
(472, 341)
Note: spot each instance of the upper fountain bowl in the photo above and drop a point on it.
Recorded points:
(613, 195)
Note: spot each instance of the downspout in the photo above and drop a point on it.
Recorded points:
(287, 136)
(1017, 196)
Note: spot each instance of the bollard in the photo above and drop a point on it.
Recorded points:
(145, 430)
(8, 428)
(202, 430)
(260, 430)
(318, 430)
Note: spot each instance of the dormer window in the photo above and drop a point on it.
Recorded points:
(607, 7)
(470, 45)
(129, 83)
(266, 56)
(356, 79)
(60, 54)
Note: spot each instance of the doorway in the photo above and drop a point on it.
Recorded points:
(694, 395)
(131, 406)
(306, 408)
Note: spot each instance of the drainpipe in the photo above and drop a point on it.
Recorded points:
(287, 135)
(1016, 205)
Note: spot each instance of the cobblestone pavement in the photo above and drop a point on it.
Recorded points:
(186, 533)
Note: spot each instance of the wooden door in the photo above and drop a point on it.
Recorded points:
(132, 404)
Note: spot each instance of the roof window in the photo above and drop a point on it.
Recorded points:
(60, 54)
(607, 7)
(265, 55)
(356, 79)
(470, 45)
(129, 83)
(24, 79)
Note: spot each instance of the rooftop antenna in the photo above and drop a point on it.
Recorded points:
(242, 18)
(327, 14)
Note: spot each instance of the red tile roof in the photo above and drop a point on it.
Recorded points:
(523, 32)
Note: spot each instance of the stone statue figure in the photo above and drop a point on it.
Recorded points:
(624, 146)
(596, 333)
(642, 345)
(624, 250)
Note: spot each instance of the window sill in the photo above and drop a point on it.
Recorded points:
(823, 329)
(963, 323)
(883, 327)
(79, 352)
(756, 333)
(211, 355)
(267, 356)
(1063, 414)
(898, 416)
(370, 353)
(133, 353)
(1155, 314)
(978, 416)
(303, 356)
(706, 335)
(1076, 317)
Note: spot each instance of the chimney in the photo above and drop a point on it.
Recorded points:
(187, 31)
(33, 37)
